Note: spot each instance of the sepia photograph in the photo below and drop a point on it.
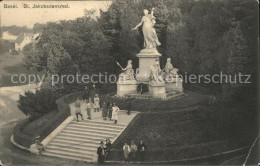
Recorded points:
(129, 82)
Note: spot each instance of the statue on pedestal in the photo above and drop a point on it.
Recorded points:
(150, 36)
(156, 73)
(170, 71)
(128, 73)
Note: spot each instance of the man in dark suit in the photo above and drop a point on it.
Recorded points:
(86, 94)
(101, 153)
(141, 150)
(129, 105)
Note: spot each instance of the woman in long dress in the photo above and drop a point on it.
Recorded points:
(115, 110)
(150, 36)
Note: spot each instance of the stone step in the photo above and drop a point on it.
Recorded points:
(172, 92)
(72, 149)
(97, 130)
(69, 136)
(61, 142)
(72, 154)
(171, 95)
(99, 127)
(54, 154)
(82, 133)
(75, 145)
(97, 123)
(91, 127)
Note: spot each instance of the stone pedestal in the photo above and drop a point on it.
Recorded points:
(125, 87)
(158, 90)
(147, 58)
(174, 85)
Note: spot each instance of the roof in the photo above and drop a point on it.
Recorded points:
(21, 36)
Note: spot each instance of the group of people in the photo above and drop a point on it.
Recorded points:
(131, 152)
(109, 109)
(103, 150)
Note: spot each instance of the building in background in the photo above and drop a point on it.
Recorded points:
(8, 36)
(22, 40)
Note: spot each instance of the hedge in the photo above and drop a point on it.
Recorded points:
(21, 138)
(25, 133)
(189, 100)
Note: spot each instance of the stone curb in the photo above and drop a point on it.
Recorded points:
(18, 145)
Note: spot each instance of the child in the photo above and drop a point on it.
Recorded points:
(78, 110)
(88, 109)
(96, 103)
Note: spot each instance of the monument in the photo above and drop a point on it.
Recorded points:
(161, 82)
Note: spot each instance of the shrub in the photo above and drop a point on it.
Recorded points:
(47, 123)
(37, 104)
(25, 132)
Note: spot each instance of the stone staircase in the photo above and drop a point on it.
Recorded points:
(79, 140)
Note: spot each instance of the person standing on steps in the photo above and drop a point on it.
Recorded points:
(88, 109)
(96, 103)
(86, 94)
(78, 110)
(93, 92)
(104, 110)
(141, 150)
(115, 110)
(101, 153)
(129, 105)
(110, 110)
(126, 150)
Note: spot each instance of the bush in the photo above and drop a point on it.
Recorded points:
(5, 46)
(25, 132)
(47, 123)
(37, 104)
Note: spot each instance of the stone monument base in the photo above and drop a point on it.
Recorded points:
(147, 57)
(125, 87)
(158, 90)
(174, 86)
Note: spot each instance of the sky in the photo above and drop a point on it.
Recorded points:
(29, 16)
